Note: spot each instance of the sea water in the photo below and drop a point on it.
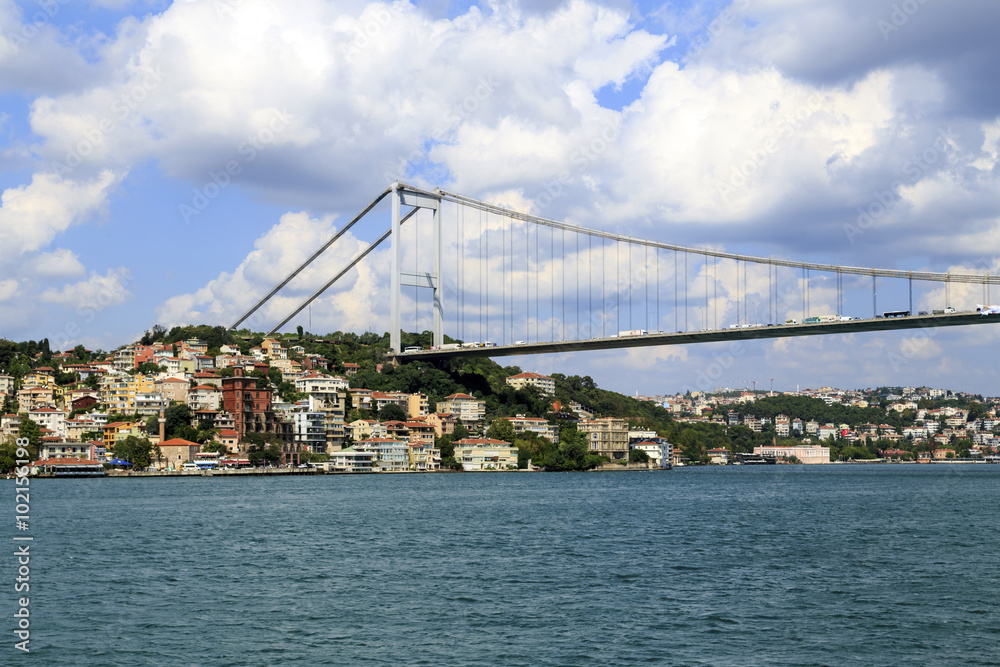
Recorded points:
(767, 565)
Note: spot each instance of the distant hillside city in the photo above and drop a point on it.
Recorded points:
(203, 397)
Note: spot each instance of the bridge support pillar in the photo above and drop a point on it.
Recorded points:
(402, 196)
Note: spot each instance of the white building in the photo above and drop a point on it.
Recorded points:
(661, 453)
(465, 407)
(485, 454)
(390, 455)
(804, 453)
(543, 383)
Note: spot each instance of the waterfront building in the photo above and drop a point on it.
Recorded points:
(352, 460)
(809, 454)
(79, 450)
(718, 456)
(485, 454)
(309, 430)
(424, 457)
(390, 455)
(659, 451)
(607, 436)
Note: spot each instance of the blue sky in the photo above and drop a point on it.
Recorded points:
(168, 162)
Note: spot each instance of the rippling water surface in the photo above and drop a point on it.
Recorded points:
(776, 565)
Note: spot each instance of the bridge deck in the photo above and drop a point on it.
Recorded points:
(712, 336)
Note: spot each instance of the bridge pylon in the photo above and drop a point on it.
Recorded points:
(403, 196)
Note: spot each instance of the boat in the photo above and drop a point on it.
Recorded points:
(755, 459)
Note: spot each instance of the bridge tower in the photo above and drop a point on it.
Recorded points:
(402, 196)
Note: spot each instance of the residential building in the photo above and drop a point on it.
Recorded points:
(390, 455)
(6, 385)
(150, 405)
(417, 406)
(782, 426)
(173, 389)
(352, 460)
(204, 397)
(467, 408)
(309, 429)
(116, 431)
(443, 423)
(485, 454)
(249, 406)
(50, 418)
(537, 425)
(607, 436)
(659, 451)
(81, 450)
(31, 398)
(543, 383)
(320, 383)
(424, 457)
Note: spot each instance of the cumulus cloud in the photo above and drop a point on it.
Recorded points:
(32, 215)
(97, 291)
(348, 306)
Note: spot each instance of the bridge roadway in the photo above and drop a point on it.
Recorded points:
(711, 336)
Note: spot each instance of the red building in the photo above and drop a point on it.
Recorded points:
(249, 406)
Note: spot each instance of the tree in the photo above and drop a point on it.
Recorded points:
(177, 416)
(391, 412)
(501, 429)
(638, 456)
(137, 451)
(149, 368)
(33, 432)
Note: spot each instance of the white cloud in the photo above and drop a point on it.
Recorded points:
(60, 263)
(31, 216)
(8, 289)
(96, 292)
(348, 306)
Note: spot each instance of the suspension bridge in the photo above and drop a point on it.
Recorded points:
(499, 282)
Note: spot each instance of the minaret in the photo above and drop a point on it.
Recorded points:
(163, 427)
